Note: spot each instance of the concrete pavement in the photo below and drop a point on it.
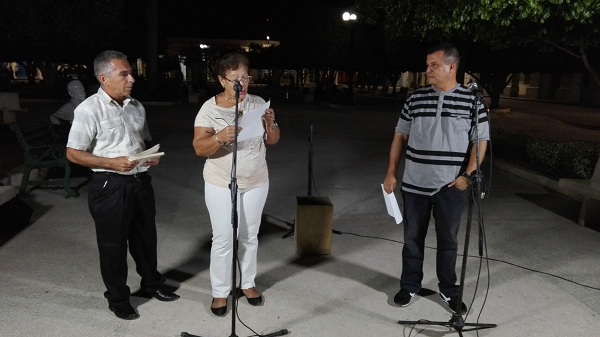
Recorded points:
(541, 277)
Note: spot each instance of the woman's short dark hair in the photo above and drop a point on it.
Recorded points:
(231, 61)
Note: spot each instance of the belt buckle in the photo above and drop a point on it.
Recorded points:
(137, 175)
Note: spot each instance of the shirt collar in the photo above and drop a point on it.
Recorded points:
(107, 99)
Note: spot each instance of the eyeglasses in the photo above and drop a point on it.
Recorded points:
(244, 80)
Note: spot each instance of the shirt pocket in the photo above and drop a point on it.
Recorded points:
(460, 123)
(138, 123)
(112, 129)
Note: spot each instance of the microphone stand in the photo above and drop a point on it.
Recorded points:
(310, 177)
(237, 87)
(457, 322)
(234, 215)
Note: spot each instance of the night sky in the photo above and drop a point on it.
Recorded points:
(233, 19)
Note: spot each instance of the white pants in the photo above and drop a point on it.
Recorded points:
(250, 205)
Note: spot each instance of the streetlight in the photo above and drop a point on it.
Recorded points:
(350, 18)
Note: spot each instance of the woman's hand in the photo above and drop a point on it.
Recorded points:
(227, 134)
(269, 117)
(272, 132)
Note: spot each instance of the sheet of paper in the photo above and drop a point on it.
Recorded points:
(150, 153)
(252, 123)
(146, 156)
(391, 205)
(142, 154)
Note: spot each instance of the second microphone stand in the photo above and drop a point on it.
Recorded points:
(310, 177)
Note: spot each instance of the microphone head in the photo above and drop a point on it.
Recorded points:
(237, 87)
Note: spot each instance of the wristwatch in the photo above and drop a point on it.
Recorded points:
(468, 177)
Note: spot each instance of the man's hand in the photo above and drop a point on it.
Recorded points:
(123, 164)
(389, 183)
(462, 183)
(151, 162)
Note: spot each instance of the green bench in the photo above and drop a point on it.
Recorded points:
(42, 149)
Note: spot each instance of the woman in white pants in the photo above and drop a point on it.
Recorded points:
(214, 134)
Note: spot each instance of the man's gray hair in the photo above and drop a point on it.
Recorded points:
(102, 62)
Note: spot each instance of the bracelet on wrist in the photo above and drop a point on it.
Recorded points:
(274, 126)
(218, 141)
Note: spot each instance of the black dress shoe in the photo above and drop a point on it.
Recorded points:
(124, 311)
(220, 311)
(165, 296)
(255, 301)
(160, 295)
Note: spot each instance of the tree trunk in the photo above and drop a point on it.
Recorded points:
(495, 83)
(393, 78)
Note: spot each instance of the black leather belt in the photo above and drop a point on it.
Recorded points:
(123, 176)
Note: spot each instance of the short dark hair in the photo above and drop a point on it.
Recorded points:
(231, 61)
(451, 54)
(102, 63)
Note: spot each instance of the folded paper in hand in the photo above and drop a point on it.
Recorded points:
(151, 153)
(391, 205)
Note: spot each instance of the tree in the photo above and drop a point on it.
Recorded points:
(313, 36)
(572, 26)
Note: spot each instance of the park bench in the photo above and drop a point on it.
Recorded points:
(589, 190)
(42, 149)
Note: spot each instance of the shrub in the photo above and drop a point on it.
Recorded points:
(555, 159)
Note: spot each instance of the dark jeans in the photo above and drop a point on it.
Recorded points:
(124, 212)
(447, 207)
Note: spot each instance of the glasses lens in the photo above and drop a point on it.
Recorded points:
(244, 80)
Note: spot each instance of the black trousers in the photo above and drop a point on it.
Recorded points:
(123, 209)
(447, 207)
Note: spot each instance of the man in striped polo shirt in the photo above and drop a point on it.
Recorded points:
(438, 133)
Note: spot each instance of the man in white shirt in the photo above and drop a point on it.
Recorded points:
(107, 128)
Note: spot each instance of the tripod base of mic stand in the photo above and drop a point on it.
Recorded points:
(456, 322)
(281, 332)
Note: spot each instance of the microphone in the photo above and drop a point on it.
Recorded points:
(237, 86)
(475, 88)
